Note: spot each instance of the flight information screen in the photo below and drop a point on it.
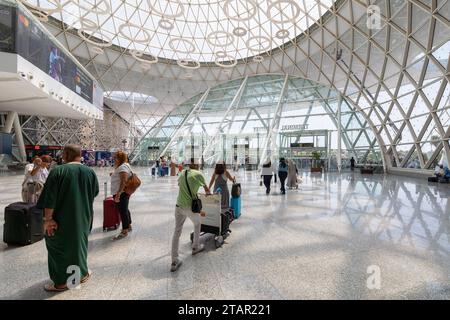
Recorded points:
(7, 28)
(38, 48)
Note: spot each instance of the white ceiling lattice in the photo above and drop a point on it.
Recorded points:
(396, 75)
(188, 30)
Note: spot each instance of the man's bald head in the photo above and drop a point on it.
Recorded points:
(71, 153)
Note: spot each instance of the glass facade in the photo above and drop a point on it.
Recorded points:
(247, 120)
(388, 60)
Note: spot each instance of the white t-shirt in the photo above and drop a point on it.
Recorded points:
(39, 177)
(115, 177)
(268, 171)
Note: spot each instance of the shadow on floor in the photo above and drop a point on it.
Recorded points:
(35, 292)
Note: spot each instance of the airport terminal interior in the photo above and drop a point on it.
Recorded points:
(350, 99)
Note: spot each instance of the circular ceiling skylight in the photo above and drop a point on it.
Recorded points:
(193, 30)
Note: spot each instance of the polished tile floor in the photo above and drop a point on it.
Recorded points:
(337, 237)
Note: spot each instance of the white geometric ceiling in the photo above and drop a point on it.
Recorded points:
(396, 75)
(187, 31)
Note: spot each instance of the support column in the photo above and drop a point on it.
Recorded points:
(9, 121)
(329, 149)
(445, 153)
(19, 138)
(338, 156)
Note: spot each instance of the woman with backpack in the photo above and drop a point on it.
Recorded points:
(282, 174)
(119, 177)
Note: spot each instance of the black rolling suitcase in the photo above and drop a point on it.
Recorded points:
(227, 218)
(433, 179)
(24, 224)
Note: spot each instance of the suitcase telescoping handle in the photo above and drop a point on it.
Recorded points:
(106, 189)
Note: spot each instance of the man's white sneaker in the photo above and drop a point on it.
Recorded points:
(175, 265)
(199, 249)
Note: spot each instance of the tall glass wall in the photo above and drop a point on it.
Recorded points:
(243, 122)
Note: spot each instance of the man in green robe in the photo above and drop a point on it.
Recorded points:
(67, 201)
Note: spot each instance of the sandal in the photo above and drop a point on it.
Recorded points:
(120, 236)
(86, 277)
(50, 287)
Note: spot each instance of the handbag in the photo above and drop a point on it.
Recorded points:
(196, 202)
(236, 190)
(132, 183)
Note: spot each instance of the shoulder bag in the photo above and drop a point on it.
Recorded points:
(132, 183)
(196, 202)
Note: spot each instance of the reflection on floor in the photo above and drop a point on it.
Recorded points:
(328, 240)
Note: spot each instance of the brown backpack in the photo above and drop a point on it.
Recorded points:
(132, 183)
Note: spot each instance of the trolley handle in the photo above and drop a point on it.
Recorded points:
(106, 189)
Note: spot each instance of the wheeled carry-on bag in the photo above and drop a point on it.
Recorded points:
(235, 203)
(24, 224)
(236, 206)
(111, 214)
(433, 179)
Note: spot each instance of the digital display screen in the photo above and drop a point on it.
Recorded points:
(6, 28)
(36, 47)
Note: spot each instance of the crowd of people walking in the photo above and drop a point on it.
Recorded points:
(286, 170)
(65, 193)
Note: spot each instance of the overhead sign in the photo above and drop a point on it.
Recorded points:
(294, 127)
(260, 129)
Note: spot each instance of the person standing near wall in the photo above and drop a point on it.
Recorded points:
(352, 163)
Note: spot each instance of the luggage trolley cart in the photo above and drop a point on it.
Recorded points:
(212, 221)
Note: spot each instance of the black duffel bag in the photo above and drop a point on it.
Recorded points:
(236, 190)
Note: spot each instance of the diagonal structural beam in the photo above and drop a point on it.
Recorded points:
(233, 106)
(197, 108)
(157, 126)
(272, 133)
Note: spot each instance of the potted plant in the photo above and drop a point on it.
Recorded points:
(316, 155)
(368, 168)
